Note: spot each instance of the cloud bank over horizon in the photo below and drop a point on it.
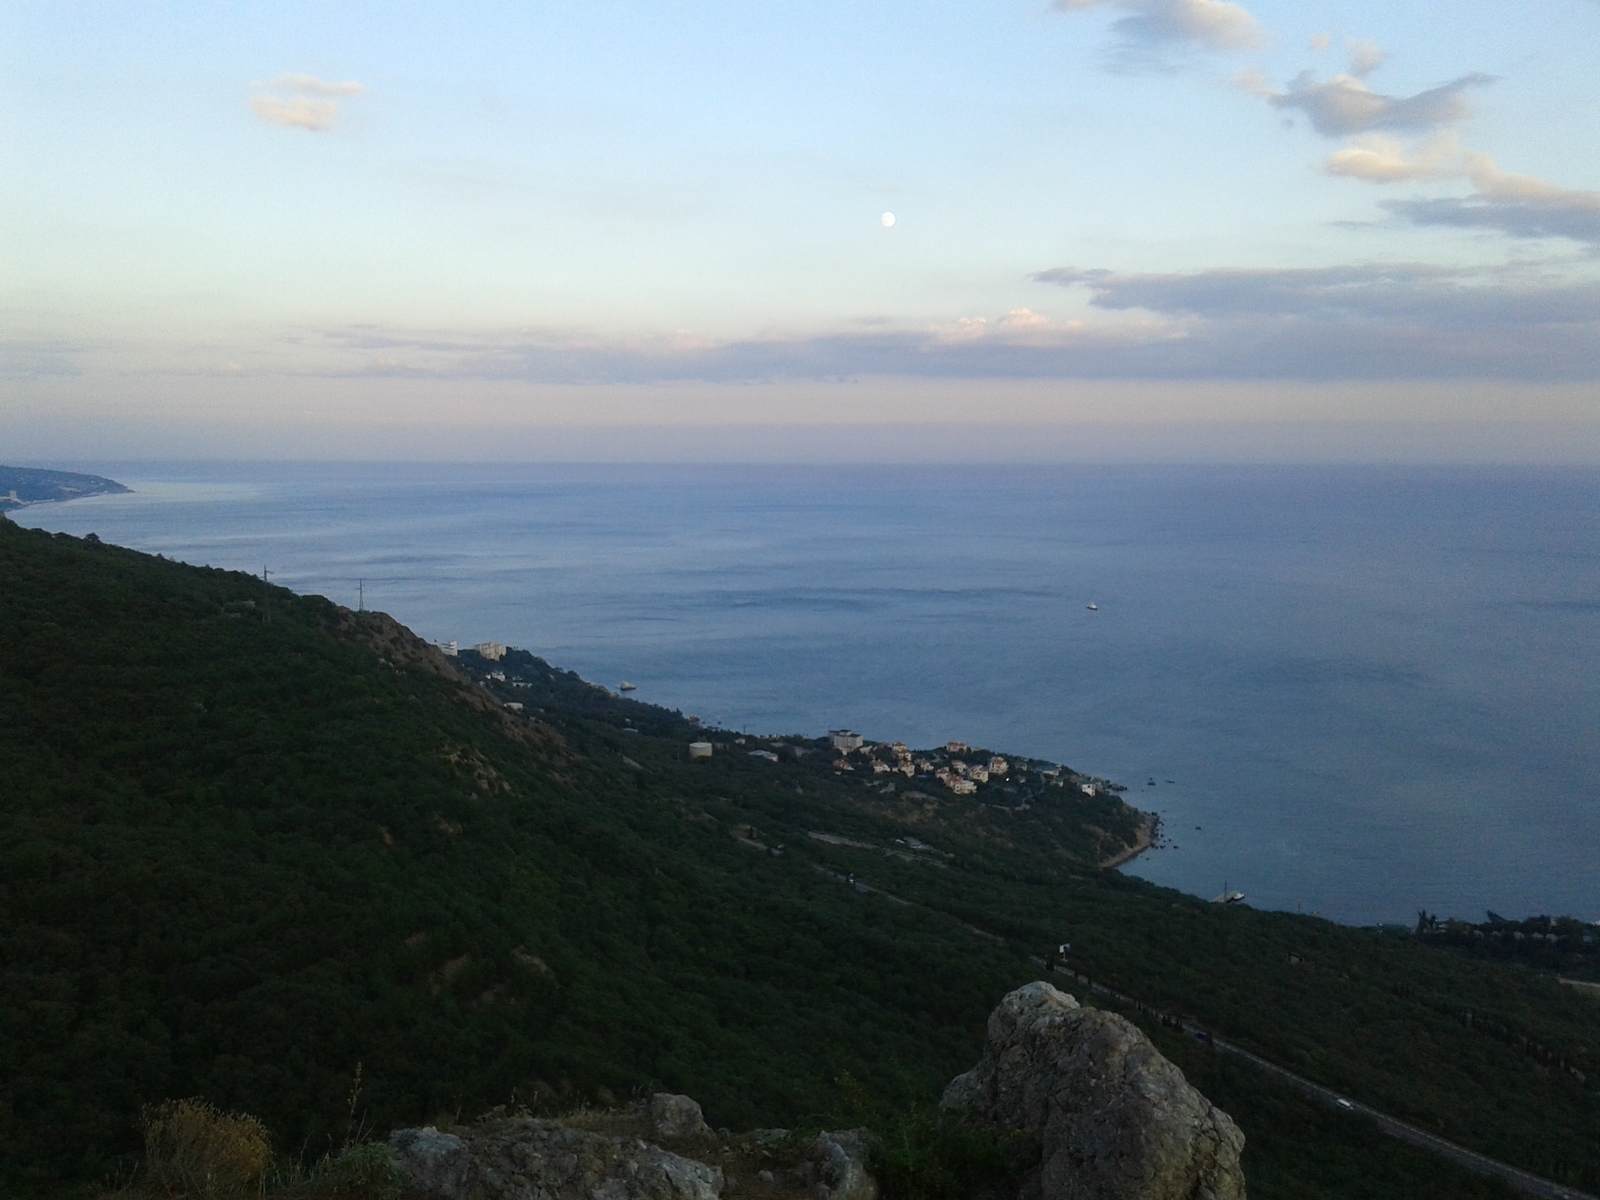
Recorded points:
(1369, 321)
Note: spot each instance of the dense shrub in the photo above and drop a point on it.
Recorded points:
(924, 1154)
(192, 1149)
(364, 1172)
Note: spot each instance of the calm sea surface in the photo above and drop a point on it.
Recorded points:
(1361, 691)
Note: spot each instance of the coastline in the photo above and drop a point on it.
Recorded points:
(1149, 830)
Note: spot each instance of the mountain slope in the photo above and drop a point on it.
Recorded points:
(244, 852)
(250, 840)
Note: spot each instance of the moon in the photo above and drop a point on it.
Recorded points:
(888, 220)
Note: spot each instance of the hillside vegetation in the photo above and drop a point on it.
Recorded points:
(251, 840)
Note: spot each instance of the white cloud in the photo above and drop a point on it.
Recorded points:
(1151, 24)
(300, 112)
(1345, 105)
(309, 85)
(1024, 318)
(1496, 184)
(1321, 42)
(1378, 158)
(1518, 205)
(308, 107)
(1365, 58)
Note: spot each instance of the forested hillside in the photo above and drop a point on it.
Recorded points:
(251, 840)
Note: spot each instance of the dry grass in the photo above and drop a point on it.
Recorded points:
(193, 1149)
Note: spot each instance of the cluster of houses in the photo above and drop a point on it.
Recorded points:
(960, 768)
(952, 769)
(493, 651)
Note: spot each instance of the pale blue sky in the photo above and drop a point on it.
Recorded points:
(228, 217)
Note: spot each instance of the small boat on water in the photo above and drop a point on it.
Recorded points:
(1094, 608)
(625, 686)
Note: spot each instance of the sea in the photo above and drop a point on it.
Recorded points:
(1357, 691)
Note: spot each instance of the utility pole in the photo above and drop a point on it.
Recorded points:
(266, 597)
(361, 595)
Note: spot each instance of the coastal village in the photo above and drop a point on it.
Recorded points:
(1005, 801)
(958, 768)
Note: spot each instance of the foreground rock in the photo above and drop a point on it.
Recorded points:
(676, 1118)
(841, 1166)
(523, 1158)
(436, 1164)
(661, 1149)
(1115, 1120)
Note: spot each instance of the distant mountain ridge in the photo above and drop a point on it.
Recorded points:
(21, 486)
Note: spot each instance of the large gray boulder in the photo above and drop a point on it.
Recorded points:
(530, 1159)
(842, 1164)
(436, 1164)
(677, 1117)
(1115, 1120)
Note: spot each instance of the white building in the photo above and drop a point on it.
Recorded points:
(700, 749)
(493, 651)
(449, 649)
(845, 740)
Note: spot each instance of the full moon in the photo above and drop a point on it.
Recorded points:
(888, 220)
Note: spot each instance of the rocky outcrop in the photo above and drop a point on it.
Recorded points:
(1115, 1120)
(529, 1159)
(543, 1160)
(659, 1149)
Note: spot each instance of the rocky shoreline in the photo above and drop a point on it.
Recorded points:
(1147, 835)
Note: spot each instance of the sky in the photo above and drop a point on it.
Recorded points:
(1001, 228)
